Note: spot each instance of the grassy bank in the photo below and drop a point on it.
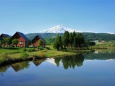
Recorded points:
(103, 45)
(10, 55)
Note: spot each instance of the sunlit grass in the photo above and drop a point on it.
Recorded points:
(26, 53)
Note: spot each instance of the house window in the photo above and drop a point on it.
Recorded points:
(21, 42)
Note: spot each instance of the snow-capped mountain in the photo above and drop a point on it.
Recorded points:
(57, 29)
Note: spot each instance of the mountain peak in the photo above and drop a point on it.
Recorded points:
(57, 29)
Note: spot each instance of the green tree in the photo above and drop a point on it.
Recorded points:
(3, 42)
(40, 42)
(0, 43)
(73, 34)
(71, 39)
(15, 42)
(29, 42)
(78, 40)
(58, 42)
(8, 41)
(75, 42)
(65, 39)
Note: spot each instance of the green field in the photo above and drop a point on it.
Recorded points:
(22, 54)
(19, 54)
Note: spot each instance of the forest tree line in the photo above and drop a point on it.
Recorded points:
(75, 40)
(50, 37)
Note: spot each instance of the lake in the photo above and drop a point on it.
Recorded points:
(85, 69)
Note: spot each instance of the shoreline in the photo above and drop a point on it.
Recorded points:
(13, 58)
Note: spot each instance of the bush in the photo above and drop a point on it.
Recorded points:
(40, 48)
(23, 50)
(30, 49)
(23, 56)
(47, 48)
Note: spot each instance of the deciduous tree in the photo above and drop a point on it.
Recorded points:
(15, 42)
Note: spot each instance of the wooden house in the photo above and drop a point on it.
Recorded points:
(4, 36)
(22, 39)
(35, 41)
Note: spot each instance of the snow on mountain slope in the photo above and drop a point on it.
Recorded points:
(57, 29)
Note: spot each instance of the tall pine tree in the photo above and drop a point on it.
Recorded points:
(58, 42)
(65, 39)
(70, 39)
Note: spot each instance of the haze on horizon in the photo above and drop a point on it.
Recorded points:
(29, 16)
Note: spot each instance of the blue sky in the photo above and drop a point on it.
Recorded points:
(29, 16)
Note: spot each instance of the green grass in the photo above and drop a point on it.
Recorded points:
(103, 45)
(9, 51)
(12, 54)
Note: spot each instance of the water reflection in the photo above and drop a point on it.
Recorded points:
(38, 62)
(67, 62)
(32, 73)
(4, 68)
(70, 62)
(20, 66)
(100, 55)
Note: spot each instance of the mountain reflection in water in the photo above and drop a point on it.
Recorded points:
(62, 71)
(66, 62)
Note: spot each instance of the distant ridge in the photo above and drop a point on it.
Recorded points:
(62, 29)
(51, 33)
(57, 29)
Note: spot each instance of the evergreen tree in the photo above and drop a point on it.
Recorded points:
(71, 39)
(58, 42)
(73, 34)
(65, 39)
(80, 39)
(29, 42)
(75, 42)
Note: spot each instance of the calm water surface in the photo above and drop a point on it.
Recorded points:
(88, 69)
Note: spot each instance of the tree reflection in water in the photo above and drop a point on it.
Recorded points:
(38, 62)
(70, 61)
(20, 66)
(3, 69)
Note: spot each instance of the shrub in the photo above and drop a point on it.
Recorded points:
(40, 48)
(30, 49)
(23, 56)
(23, 50)
(47, 48)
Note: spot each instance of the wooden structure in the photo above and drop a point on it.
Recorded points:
(22, 39)
(35, 41)
(4, 36)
